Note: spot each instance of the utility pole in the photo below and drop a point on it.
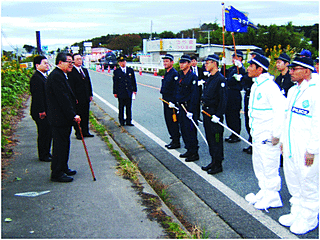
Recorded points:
(38, 42)
(151, 31)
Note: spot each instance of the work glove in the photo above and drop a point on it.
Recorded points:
(201, 82)
(215, 119)
(223, 61)
(237, 77)
(237, 63)
(189, 115)
(171, 105)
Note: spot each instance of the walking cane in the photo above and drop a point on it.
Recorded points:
(85, 148)
(229, 129)
(205, 140)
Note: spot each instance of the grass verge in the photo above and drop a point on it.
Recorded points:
(130, 170)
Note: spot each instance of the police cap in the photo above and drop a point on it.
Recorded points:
(168, 56)
(262, 61)
(185, 58)
(284, 57)
(213, 57)
(304, 62)
(122, 58)
(239, 54)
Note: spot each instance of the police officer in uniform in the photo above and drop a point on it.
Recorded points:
(247, 83)
(124, 85)
(187, 94)
(284, 79)
(168, 87)
(214, 101)
(234, 86)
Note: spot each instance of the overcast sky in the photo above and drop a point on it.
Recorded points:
(63, 23)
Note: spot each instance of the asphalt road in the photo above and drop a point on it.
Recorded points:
(223, 192)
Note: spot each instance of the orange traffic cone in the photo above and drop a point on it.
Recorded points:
(108, 68)
(155, 72)
(140, 71)
(102, 68)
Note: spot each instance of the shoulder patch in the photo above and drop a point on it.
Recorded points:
(305, 104)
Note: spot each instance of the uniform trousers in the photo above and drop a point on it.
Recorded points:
(303, 183)
(188, 132)
(173, 127)
(266, 164)
(61, 149)
(125, 103)
(214, 136)
(233, 110)
(246, 114)
(44, 138)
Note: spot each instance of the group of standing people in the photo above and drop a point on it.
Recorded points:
(60, 101)
(282, 118)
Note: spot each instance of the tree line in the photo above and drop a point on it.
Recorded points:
(265, 37)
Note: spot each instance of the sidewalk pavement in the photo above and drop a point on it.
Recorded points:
(106, 208)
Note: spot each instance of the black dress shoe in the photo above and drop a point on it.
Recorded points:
(228, 138)
(192, 158)
(79, 137)
(130, 124)
(234, 139)
(62, 178)
(206, 168)
(215, 170)
(246, 149)
(70, 172)
(48, 159)
(185, 155)
(173, 145)
(88, 135)
(249, 151)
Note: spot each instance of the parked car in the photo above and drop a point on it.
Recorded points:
(109, 60)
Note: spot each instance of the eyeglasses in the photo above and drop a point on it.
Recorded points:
(69, 62)
(295, 69)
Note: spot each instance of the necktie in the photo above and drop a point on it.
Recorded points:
(82, 74)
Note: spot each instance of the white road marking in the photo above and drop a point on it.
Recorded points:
(267, 221)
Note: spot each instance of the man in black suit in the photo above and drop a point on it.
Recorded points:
(38, 110)
(80, 84)
(62, 115)
(124, 88)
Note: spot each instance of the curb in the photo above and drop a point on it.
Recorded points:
(193, 209)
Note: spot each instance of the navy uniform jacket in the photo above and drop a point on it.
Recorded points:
(284, 83)
(187, 91)
(124, 84)
(38, 93)
(169, 85)
(82, 88)
(247, 83)
(214, 96)
(61, 100)
(234, 87)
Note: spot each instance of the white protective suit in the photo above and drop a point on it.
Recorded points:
(301, 135)
(266, 117)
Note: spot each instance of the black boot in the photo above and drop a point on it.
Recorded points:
(173, 145)
(215, 170)
(192, 158)
(206, 168)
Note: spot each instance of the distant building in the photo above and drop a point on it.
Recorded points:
(154, 50)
